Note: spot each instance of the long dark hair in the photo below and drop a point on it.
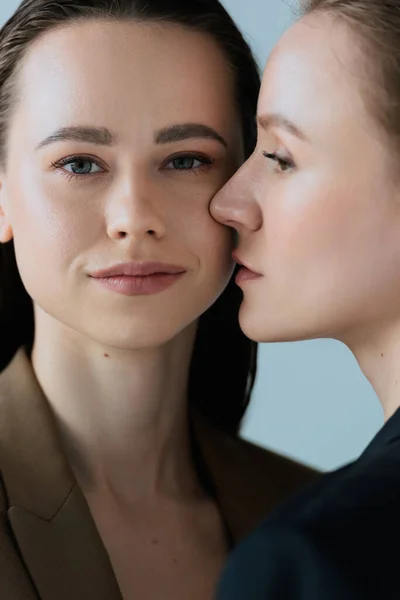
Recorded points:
(224, 361)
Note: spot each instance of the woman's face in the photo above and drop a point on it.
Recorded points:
(121, 135)
(316, 206)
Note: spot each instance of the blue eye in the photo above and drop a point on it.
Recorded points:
(82, 166)
(77, 166)
(187, 162)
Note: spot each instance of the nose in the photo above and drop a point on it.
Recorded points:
(134, 212)
(234, 205)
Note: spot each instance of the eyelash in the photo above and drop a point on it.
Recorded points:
(206, 161)
(58, 165)
(283, 164)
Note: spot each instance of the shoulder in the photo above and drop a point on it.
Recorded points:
(250, 481)
(237, 455)
(339, 536)
(264, 479)
(240, 458)
(286, 563)
(366, 491)
(286, 473)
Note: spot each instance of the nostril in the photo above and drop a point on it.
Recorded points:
(151, 232)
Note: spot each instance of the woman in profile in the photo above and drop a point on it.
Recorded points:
(319, 246)
(125, 373)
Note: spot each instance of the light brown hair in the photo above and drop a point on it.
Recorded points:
(376, 26)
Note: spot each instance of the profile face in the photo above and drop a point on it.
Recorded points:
(317, 205)
(121, 135)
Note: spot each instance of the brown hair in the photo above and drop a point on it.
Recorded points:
(376, 24)
(223, 366)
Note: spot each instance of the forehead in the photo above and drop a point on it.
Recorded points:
(316, 77)
(95, 71)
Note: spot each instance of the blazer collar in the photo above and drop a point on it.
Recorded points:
(49, 516)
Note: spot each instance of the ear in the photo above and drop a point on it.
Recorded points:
(6, 233)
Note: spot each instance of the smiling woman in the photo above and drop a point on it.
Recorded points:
(119, 121)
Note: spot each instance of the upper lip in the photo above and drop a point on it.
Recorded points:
(138, 269)
(241, 263)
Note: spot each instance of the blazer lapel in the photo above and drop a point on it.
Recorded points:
(48, 514)
(64, 555)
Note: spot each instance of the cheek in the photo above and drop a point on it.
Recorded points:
(218, 248)
(211, 244)
(190, 221)
(49, 229)
(297, 225)
(328, 233)
(214, 250)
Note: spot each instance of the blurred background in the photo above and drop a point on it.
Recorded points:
(311, 401)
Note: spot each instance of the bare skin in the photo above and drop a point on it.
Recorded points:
(317, 207)
(113, 367)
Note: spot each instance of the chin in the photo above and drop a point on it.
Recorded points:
(273, 328)
(132, 334)
(253, 324)
(133, 339)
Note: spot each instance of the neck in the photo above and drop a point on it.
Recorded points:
(378, 355)
(121, 414)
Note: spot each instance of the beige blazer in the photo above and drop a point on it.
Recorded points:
(49, 546)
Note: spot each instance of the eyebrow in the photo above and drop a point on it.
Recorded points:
(185, 131)
(104, 137)
(94, 135)
(269, 120)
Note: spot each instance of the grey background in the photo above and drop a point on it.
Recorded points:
(311, 401)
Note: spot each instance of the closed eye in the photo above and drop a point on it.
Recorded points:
(283, 164)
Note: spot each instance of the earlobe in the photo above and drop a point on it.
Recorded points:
(6, 233)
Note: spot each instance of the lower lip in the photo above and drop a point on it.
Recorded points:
(246, 275)
(139, 285)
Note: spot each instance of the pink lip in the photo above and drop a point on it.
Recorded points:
(244, 273)
(138, 269)
(138, 279)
